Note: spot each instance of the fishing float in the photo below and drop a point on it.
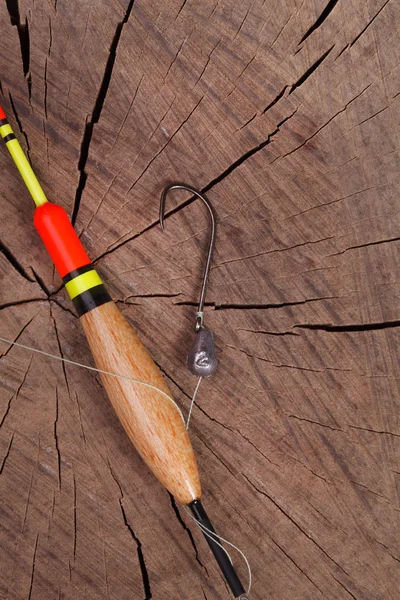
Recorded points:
(151, 419)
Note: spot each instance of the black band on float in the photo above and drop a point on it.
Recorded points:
(90, 299)
(3, 122)
(9, 137)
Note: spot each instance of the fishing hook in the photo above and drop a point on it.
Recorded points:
(201, 360)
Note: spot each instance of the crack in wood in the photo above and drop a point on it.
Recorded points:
(270, 306)
(248, 440)
(263, 332)
(216, 306)
(55, 432)
(289, 88)
(14, 262)
(296, 565)
(346, 47)
(30, 488)
(100, 204)
(234, 475)
(193, 304)
(213, 419)
(142, 564)
(387, 549)
(151, 296)
(322, 126)
(74, 518)
(115, 478)
(188, 531)
(64, 308)
(181, 8)
(205, 189)
(185, 39)
(369, 23)
(33, 567)
(23, 34)
(381, 110)
(320, 513)
(369, 490)
(276, 99)
(80, 416)
(310, 71)
(45, 90)
(96, 112)
(27, 503)
(162, 149)
(345, 588)
(15, 396)
(18, 336)
(202, 589)
(293, 522)
(302, 212)
(19, 123)
(264, 253)
(247, 122)
(322, 17)
(41, 283)
(60, 351)
(315, 423)
(374, 431)
(395, 239)
(349, 328)
(282, 366)
(7, 453)
(280, 31)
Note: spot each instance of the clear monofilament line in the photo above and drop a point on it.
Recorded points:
(212, 535)
(192, 402)
(76, 364)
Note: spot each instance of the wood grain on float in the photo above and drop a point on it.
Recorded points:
(152, 422)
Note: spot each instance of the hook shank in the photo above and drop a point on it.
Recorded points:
(211, 244)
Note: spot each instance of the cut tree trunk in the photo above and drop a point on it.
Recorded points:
(287, 114)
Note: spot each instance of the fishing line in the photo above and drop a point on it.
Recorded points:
(106, 326)
(76, 364)
(192, 402)
(211, 534)
(214, 536)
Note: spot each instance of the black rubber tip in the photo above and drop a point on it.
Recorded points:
(222, 559)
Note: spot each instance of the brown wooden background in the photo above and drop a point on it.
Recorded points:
(287, 113)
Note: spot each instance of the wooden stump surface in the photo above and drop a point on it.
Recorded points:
(287, 113)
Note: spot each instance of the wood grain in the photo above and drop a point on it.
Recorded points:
(287, 115)
(153, 423)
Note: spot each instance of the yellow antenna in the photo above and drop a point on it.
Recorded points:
(21, 161)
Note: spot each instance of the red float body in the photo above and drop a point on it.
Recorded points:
(60, 238)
